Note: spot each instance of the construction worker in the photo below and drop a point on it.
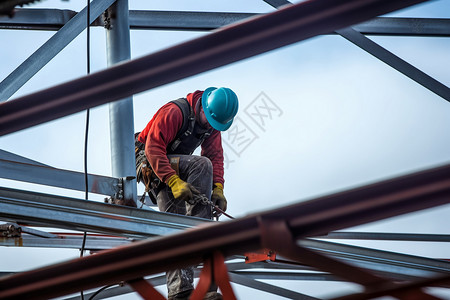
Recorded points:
(180, 182)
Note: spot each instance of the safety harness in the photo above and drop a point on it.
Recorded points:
(188, 138)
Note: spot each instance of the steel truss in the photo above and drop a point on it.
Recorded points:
(285, 230)
(277, 229)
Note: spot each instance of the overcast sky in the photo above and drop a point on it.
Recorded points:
(334, 118)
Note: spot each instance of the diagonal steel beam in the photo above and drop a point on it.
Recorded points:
(6, 155)
(311, 218)
(14, 81)
(233, 43)
(401, 291)
(389, 264)
(396, 62)
(268, 288)
(385, 56)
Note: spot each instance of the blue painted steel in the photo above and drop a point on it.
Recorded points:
(121, 112)
(50, 49)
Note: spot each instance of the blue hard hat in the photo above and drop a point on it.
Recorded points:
(220, 106)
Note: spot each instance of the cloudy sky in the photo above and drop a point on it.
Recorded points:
(334, 118)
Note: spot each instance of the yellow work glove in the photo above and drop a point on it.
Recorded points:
(180, 189)
(218, 198)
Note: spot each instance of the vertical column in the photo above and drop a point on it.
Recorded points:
(121, 112)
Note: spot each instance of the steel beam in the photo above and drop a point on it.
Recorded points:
(311, 218)
(54, 19)
(396, 62)
(180, 20)
(36, 19)
(50, 176)
(268, 288)
(69, 241)
(387, 236)
(121, 118)
(50, 49)
(401, 291)
(387, 26)
(75, 214)
(5, 155)
(385, 56)
(386, 263)
(233, 43)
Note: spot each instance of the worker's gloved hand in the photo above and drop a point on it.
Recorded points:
(218, 199)
(180, 189)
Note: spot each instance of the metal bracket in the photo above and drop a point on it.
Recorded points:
(10, 230)
(123, 196)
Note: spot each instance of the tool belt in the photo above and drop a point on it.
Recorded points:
(145, 173)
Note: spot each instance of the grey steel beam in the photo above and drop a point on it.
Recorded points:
(36, 19)
(268, 288)
(267, 275)
(180, 20)
(387, 236)
(14, 81)
(384, 262)
(121, 118)
(54, 19)
(409, 290)
(233, 43)
(396, 62)
(93, 242)
(122, 289)
(5, 155)
(310, 218)
(385, 56)
(38, 209)
(388, 26)
(57, 177)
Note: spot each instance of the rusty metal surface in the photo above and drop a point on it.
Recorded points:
(369, 203)
(233, 43)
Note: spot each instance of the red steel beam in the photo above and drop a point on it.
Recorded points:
(315, 217)
(233, 43)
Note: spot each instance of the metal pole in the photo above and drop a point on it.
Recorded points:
(121, 112)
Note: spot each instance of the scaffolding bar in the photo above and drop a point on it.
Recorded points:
(232, 43)
(37, 209)
(311, 218)
(14, 81)
(50, 176)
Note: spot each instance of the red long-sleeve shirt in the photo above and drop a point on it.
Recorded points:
(162, 130)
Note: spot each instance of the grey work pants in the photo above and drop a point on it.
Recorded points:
(196, 170)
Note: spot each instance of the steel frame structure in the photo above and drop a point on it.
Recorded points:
(286, 230)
